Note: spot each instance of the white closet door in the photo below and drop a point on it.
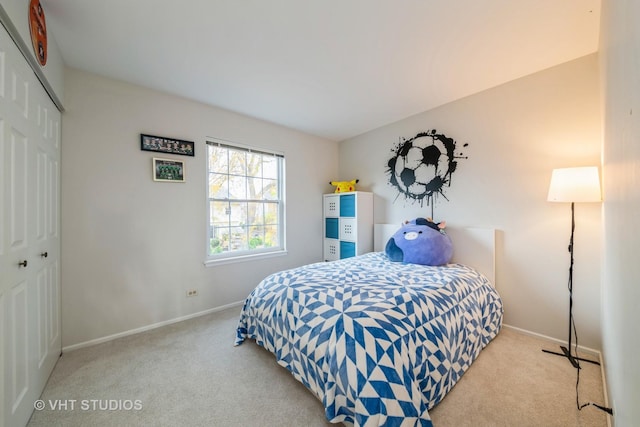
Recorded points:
(30, 341)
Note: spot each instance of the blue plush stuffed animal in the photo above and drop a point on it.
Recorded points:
(420, 241)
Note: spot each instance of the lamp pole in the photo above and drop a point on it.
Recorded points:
(566, 351)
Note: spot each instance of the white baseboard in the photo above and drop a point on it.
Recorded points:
(148, 327)
(588, 350)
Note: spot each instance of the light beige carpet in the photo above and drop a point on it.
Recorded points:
(190, 374)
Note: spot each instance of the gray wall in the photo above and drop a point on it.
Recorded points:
(620, 59)
(131, 247)
(517, 133)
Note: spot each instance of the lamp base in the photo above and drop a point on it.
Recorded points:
(573, 359)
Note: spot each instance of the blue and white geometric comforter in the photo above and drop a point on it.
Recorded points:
(378, 342)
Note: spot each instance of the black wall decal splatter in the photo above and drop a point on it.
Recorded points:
(422, 166)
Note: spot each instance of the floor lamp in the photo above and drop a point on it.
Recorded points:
(573, 185)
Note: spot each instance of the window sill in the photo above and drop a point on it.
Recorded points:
(243, 258)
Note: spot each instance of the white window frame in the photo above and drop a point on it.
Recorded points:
(231, 256)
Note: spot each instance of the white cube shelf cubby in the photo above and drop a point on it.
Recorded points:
(348, 224)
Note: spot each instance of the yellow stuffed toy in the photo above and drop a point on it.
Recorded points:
(344, 186)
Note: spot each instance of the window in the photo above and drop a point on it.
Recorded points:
(245, 201)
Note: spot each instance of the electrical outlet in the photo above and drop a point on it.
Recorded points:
(192, 292)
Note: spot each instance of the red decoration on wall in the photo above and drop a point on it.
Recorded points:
(38, 29)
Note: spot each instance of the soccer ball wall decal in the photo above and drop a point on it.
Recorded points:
(422, 166)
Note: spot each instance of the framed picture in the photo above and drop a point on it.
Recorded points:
(168, 170)
(166, 145)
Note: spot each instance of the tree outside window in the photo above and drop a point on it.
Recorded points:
(245, 196)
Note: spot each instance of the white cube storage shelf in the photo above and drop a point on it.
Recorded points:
(348, 224)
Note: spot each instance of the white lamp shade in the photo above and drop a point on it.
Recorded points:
(580, 184)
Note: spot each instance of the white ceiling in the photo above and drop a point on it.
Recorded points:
(332, 68)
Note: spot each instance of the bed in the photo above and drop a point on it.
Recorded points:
(379, 342)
